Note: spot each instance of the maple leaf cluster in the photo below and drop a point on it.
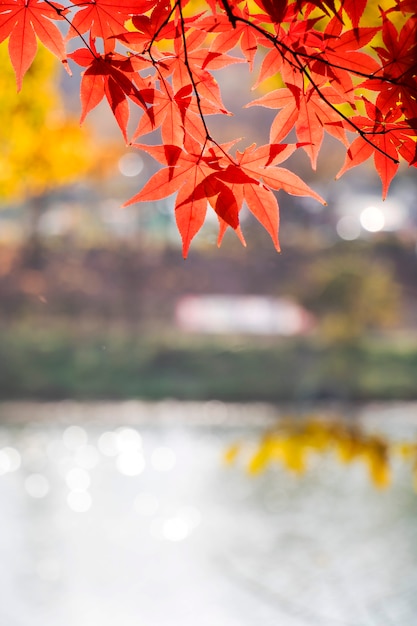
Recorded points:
(335, 73)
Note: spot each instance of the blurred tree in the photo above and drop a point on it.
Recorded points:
(349, 301)
(42, 146)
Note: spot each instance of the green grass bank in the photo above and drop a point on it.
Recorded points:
(108, 362)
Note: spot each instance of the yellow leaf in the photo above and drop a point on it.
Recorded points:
(379, 468)
(231, 453)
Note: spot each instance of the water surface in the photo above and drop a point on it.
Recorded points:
(125, 514)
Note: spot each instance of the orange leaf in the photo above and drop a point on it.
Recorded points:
(23, 20)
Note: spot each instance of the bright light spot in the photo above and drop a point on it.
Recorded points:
(395, 214)
(179, 526)
(10, 460)
(175, 529)
(107, 444)
(163, 459)
(372, 219)
(37, 485)
(79, 501)
(146, 504)
(130, 463)
(14, 458)
(49, 570)
(86, 456)
(74, 437)
(128, 439)
(78, 479)
(130, 164)
(348, 228)
(4, 463)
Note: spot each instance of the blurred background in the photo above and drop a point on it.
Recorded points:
(125, 372)
(97, 302)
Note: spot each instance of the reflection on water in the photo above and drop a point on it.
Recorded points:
(110, 522)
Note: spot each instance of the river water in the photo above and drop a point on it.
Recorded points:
(126, 515)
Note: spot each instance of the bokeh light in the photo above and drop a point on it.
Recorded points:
(37, 485)
(128, 439)
(130, 164)
(348, 228)
(10, 460)
(372, 219)
(175, 529)
(130, 463)
(107, 444)
(74, 437)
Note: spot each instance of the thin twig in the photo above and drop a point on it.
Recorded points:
(61, 13)
(195, 89)
(298, 65)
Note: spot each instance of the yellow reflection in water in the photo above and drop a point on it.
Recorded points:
(293, 443)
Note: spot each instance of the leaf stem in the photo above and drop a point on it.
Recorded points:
(229, 13)
(61, 13)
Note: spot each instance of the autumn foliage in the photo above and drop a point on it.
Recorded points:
(295, 441)
(337, 70)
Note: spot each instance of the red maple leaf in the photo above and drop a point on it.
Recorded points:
(340, 57)
(308, 112)
(177, 114)
(275, 9)
(260, 164)
(316, 49)
(241, 34)
(294, 45)
(396, 82)
(384, 137)
(23, 21)
(406, 6)
(149, 28)
(105, 18)
(354, 9)
(196, 174)
(400, 51)
(197, 63)
(212, 175)
(154, 27)
(306, 6)
(108, 76)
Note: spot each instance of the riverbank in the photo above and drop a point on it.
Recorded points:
(59, 361)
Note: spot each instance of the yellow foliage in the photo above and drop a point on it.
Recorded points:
(294, 441)
(379, 468)
(258, 462)
(349, 447)
(231, 453)
(407, 450)
(40, 145)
